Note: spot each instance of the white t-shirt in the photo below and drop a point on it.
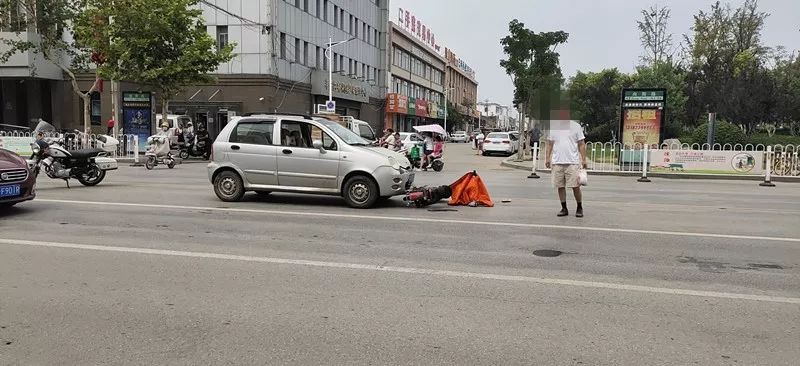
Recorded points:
(565, 135)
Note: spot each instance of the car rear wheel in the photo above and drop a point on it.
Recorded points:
(228, 187)
(360, 192)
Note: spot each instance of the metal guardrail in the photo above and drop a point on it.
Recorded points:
(783, 160)
(128, 144)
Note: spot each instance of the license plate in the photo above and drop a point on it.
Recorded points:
(496, 142)
(10, 191)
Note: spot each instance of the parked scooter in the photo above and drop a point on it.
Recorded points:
(158, 152)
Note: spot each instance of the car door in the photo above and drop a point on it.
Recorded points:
(302, 166)
(251, 148)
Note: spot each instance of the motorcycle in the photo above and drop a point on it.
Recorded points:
(88, 166)
(435, 161)
(195, 147)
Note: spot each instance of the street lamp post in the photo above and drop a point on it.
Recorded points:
(329, 55)
(445, 108)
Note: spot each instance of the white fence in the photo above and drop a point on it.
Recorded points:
(21, 140)
(739, 159)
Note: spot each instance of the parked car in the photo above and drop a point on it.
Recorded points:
(500, 142)
(281, 153)
(410, 139)
(459, 136)
(17, 184)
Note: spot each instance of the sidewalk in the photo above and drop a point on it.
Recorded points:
(526, 166)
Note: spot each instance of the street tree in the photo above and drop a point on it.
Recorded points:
(787, 93)
(653, 33)
(533, 64)
(162, 44)
(595, 99)
(48, 21)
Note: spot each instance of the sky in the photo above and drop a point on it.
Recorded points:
(602, 33)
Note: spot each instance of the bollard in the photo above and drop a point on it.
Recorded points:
(645, 163)
(534, 160)
(136, 151)
(768, 174)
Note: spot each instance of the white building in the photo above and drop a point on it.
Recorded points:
(498, 113)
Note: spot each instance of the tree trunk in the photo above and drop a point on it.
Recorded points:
(164, 109)
(87, 119)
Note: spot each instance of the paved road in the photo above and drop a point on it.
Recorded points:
(150, 268)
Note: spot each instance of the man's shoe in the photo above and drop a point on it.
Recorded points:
(579, 212)
(563, 212)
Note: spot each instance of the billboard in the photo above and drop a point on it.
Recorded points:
(642, 117)
(18, 144)
(708, 161)
(137, 116)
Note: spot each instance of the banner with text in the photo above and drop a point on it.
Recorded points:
(708, 161)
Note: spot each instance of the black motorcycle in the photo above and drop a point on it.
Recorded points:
(88, 166)
(196, 147)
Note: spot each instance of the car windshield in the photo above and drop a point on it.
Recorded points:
(44, 127)
(459, 133)
(497, 136)
(349, 137)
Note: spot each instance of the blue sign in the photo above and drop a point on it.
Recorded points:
(330, 106)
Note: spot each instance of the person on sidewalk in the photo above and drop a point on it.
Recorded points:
(566, 154)
(110, 124)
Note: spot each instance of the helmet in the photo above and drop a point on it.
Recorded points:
(164, 125)
(189, 124)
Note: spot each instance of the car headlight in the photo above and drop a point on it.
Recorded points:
(394, 163)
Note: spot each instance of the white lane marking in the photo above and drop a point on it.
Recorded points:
(409, 270)
(430, 220)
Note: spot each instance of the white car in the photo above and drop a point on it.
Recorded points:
(459, 136)
(500, 142)
(410, 139)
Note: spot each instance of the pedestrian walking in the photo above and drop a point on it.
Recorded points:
(110, 124)
(566, 155)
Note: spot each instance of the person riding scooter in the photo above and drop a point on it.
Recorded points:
(203, 138)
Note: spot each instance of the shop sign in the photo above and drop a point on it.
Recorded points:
(19, 145)
(421, 108)
(433, 110)
(396, 103)
(414, 25)
(412, 106)
(343, 87)
(452, 59)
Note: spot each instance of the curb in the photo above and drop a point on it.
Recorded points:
(525, 165)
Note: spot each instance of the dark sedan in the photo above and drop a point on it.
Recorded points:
(16, 181)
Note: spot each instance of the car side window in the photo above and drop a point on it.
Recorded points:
(415, 138)
(295, 134)
(328, 143)
(253, 132)
(366, 132)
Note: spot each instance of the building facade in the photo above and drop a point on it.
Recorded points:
(416, 81)
(280, 65)
(462, 91)
(496, 116)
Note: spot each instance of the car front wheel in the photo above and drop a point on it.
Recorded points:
(361, 192)
(229, 187)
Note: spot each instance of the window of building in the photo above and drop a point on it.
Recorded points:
(364, 71)
(376, 37)
(283, 46)
(341, 65)
(351, 25)
(396, 57)
(357, 27)
(305, 6)
(298, 49)
(335, 63)
(317, 9)
(335, 16)
(297, 3)
(325, 10)
(321, 64)
(305, 53)
(341, 19)
(350, 69)
(222, 36)
(364, 34)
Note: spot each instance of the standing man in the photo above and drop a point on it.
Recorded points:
(110, 124)
(566, 154)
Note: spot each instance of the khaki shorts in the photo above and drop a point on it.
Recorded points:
(566, 175)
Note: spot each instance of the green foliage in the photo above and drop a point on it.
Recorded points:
(595, 100)
(672, 77)
(765, 139)
(159, 43)
(726, 133)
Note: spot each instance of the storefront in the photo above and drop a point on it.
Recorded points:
(403, 112)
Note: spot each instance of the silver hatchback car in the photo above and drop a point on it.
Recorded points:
(285, 153)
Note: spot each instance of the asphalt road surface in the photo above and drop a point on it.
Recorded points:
(150, 268)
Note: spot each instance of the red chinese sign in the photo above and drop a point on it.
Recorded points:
(415, 26)
(396, 103)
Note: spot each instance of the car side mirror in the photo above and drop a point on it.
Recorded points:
(317, 144)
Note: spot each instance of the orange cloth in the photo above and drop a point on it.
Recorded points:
(470, 188)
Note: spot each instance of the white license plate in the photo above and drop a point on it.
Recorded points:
(10, 191)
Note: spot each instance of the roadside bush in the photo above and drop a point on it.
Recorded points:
(727, 133)
(765, 139)
(600, 133)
